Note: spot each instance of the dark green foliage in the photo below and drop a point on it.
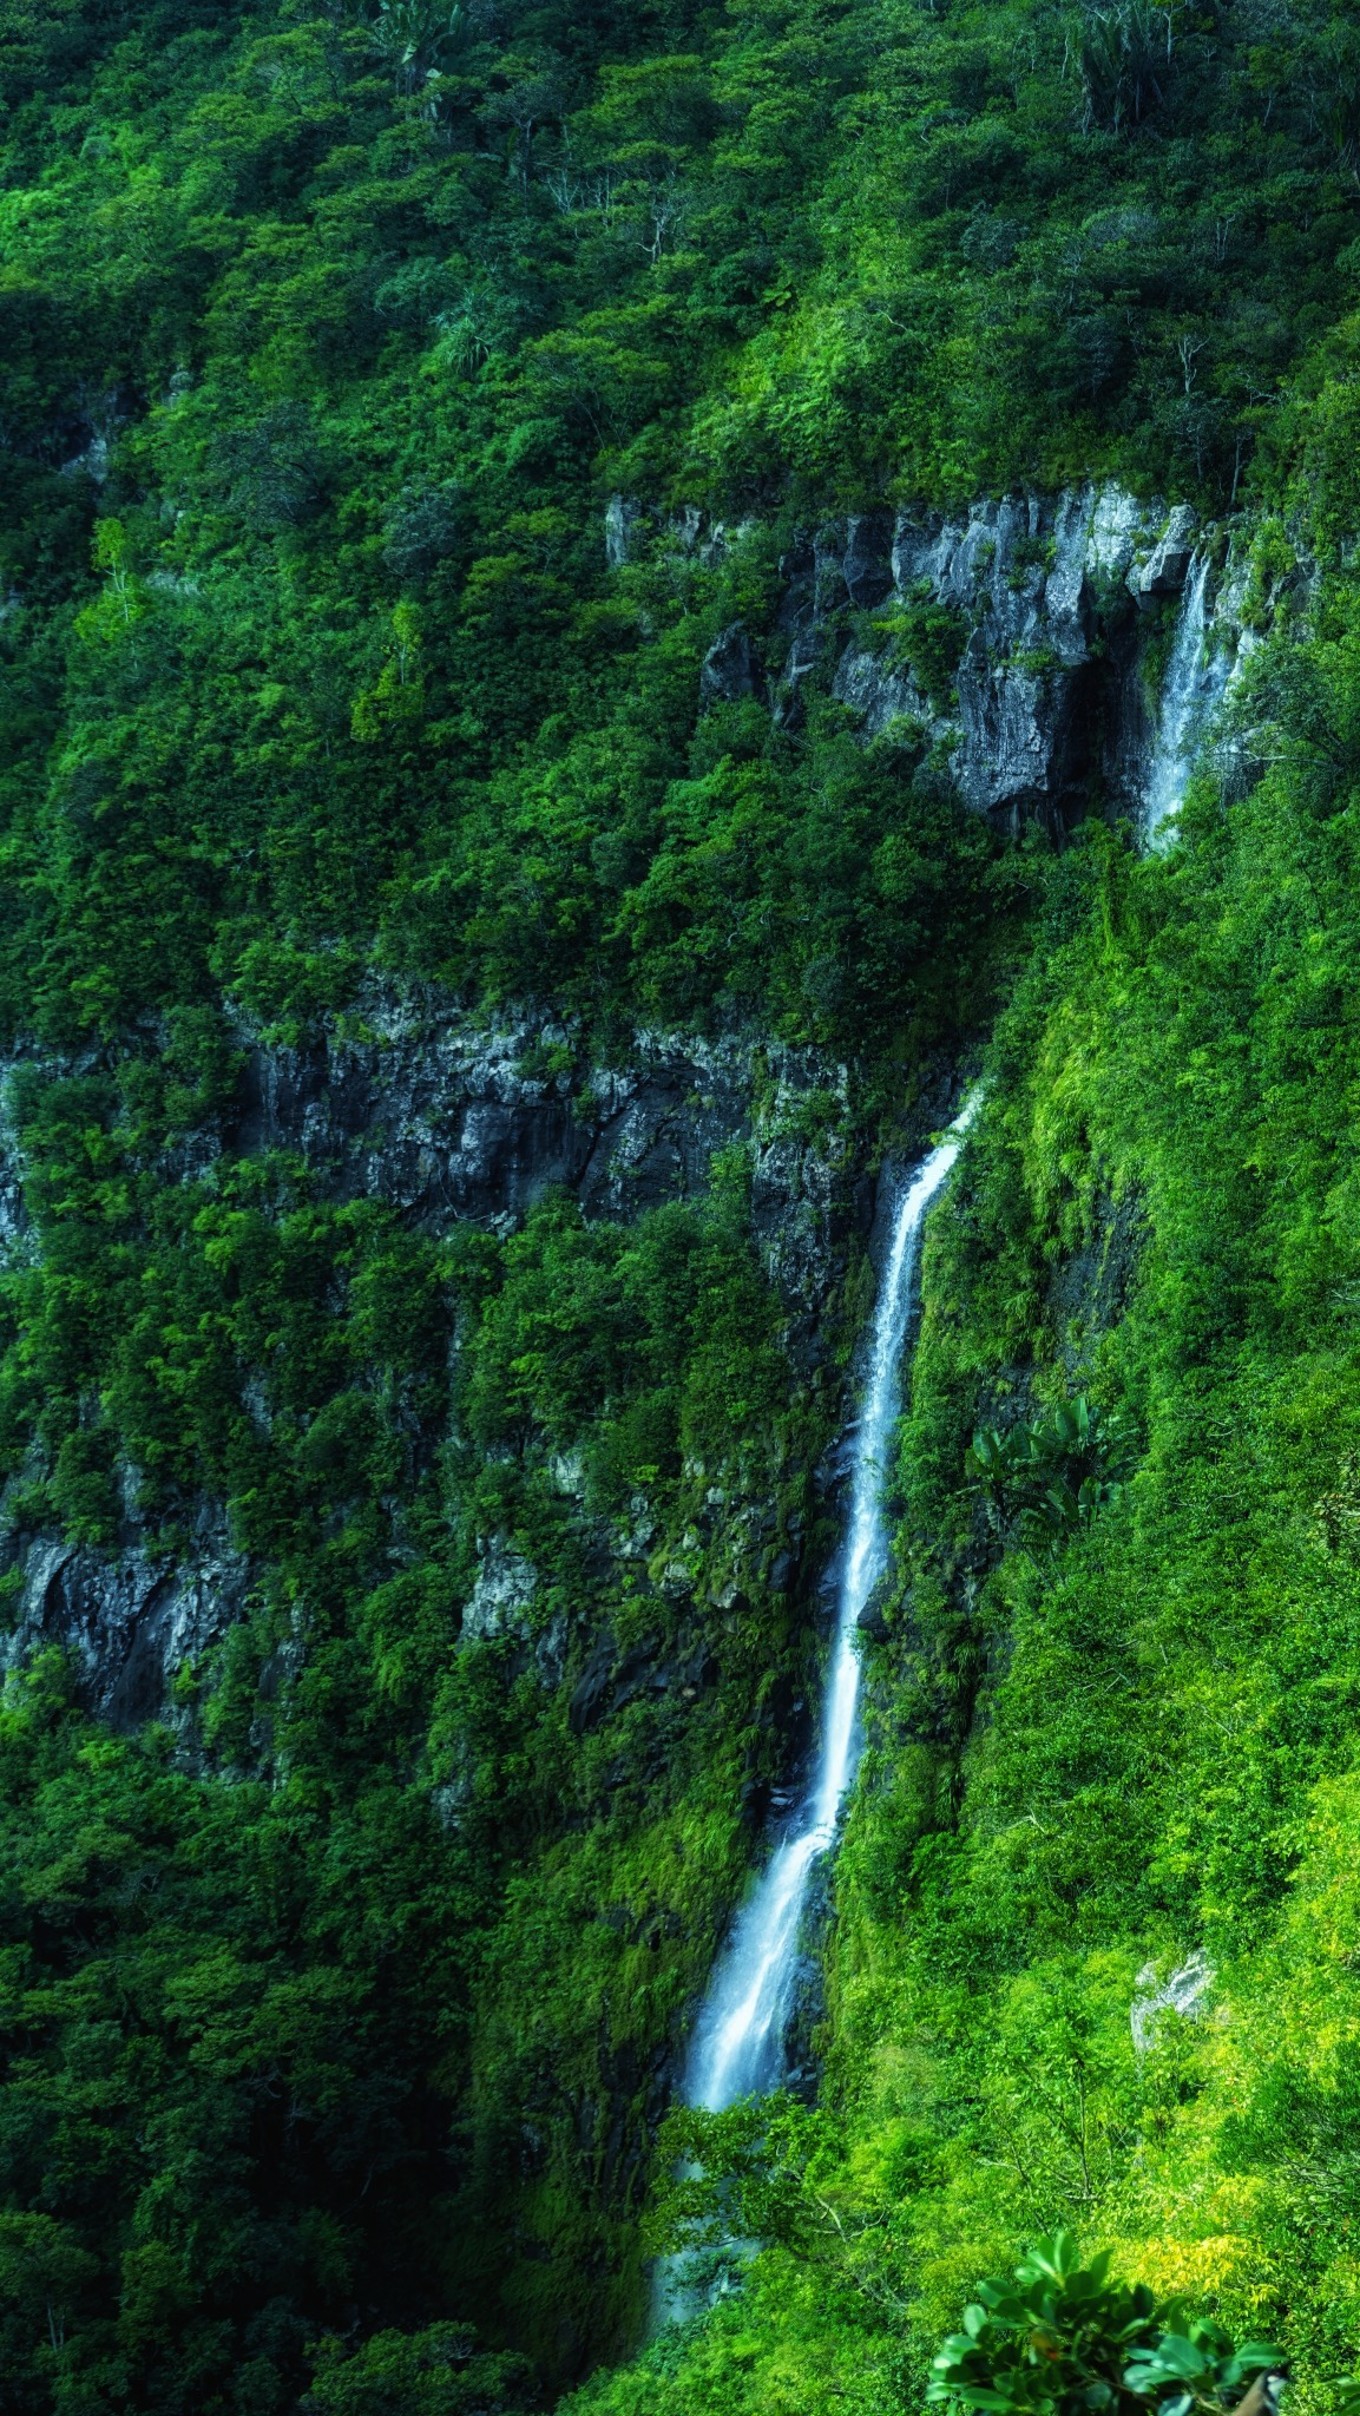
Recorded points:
(218, 2068)
(286, 2134)
(1053, 1473)
(435, 2373)
(1125, 59)
(929, 637)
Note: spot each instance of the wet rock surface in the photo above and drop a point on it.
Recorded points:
(1053, 708)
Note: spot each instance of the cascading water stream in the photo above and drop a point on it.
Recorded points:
(1197, 677)
(738, 2047)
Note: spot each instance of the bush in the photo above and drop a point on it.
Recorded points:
(1054, 1473)
(1065, 2337)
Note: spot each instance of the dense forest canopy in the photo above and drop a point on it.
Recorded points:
(326, 337)
(341, 1996)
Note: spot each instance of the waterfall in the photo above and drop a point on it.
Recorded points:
(738, 2047)
(1193, 689)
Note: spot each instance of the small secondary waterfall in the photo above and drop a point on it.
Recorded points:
(738, 2044)
(1196, 679)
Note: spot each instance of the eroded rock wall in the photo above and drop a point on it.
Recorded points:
(442, 1117)
(1048, 707)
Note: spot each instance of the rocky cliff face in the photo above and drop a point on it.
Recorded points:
(1010, 645)
(1046, 697)
(1010, 642)
(444, 1117)
(127, 1621)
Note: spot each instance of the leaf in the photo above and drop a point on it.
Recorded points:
(958, 2346)
(1254, 2357)
(1173, 2356)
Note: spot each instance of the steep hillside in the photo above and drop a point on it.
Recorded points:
(601, 606)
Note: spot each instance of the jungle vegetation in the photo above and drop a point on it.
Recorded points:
(336, 2002)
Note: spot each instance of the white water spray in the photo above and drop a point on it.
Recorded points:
(738, 2044)
(1196, 679)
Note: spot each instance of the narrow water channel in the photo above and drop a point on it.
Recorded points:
(738, 2048)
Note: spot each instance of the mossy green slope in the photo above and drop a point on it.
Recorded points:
(1101, 1759)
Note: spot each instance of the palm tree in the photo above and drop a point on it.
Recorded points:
(411, 37)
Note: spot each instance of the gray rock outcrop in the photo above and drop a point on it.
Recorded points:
(729, 667)
(1045, 699)
(127, 1620)
(500, 1609)
(1051, 704)
(624, 526)
(1164, 572)
(1045, 706)
(441, 1117)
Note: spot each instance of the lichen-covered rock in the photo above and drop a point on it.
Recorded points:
(500, 1609)
(729, 667)
(1164, 572)
(1034, 586)
(499, 1602)
(126, 1620)
(1117, 527)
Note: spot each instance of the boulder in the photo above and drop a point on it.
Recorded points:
(729, 670)
(624, 528)
(1164, 572)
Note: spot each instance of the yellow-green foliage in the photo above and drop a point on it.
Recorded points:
(1134, 1743)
